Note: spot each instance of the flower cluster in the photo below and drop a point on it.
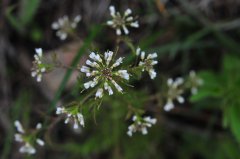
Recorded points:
(28, 140)
(194, 82)
(147, 62)
(73, 115)
(104, 73)
(38, 67)
(64, 26)
(174, 92)
(141, 124)
(120, 22)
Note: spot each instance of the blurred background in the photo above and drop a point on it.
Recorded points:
(200, 35)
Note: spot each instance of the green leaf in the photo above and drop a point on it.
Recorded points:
(235, 121)
(231, 64)
(202, 94)
(28, 10)
(12, 19)
(212, 86)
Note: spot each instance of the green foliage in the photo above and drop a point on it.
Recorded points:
(217, 147)
(224, 87)
(27, 10)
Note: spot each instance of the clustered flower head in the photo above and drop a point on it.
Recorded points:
(28, 140)
(174, 92)
(121, 22)
(104, 72)
(64, 26)
(72, 115)
(38, 67)
(141, 124)
(147, 62)
(194, 81)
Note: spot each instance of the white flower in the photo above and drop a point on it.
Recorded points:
(27, 148)
(121, 22)
(147, 62)
(141, 124)
(104, 73)
(194, 81)
(38, 67)
(27, 141)
(99, 93)
(64, 26)
(174, 92)
(71, 115)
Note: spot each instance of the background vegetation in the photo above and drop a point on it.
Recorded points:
(187, 35)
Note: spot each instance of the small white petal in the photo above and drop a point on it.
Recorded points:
(125, 29)
(118, 31)
(118, 62)
(39, 78)
(134, 24)
(39, 126)
(77, 18)
(110, 22)
(142, 55)
(19, 127)
(33, 73)
(180, 99)
(179, 81)
(75, 125)
(127, 12)
(60, 110)
(39, 51)
(40, 142)
(152, 56)
(117, 86)
(107, 87)
(80, 119)
(112, 10)
(152, 73)
(169, 106)
(87, 84)
(18, 137)
(43, 69)
(55, 26)
(129, 133)
(123, 74)
(134, 118)
(95, 57)
(66, 120)
(27, 148)
(99, 93)
(108, 57)
(144, 130)
(63, 36)
(170, 82)
(85, 69)
(138, 51)
(154, 63)
(194, 90)
(129, 19)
